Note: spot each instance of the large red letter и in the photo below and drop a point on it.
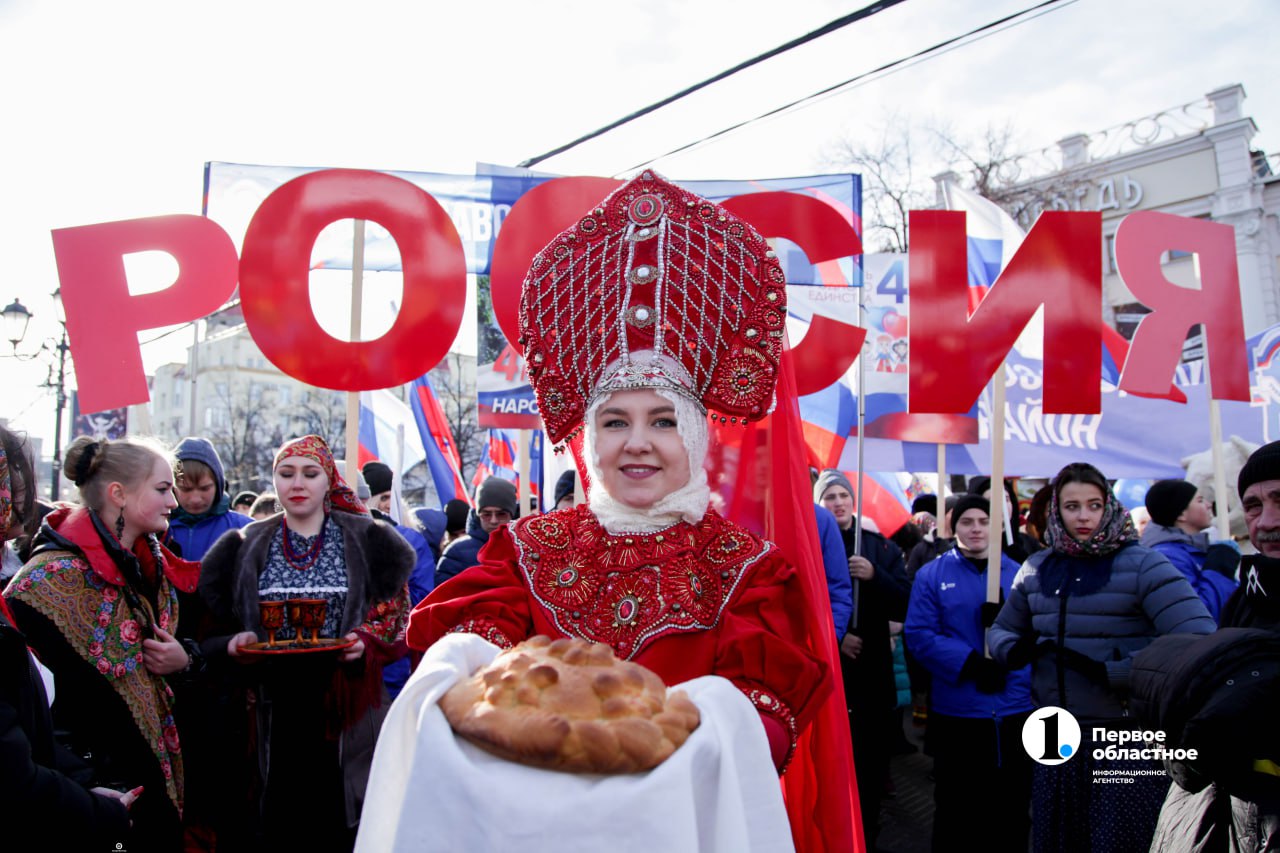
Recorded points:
(953, 354)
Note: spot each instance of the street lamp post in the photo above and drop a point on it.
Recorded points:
(15, 318)
(55, 478)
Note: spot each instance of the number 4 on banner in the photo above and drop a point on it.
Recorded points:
(509, 363)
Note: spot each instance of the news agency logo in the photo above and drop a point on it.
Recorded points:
(1051, 735)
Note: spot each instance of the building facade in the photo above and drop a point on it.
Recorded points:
(1197, 161)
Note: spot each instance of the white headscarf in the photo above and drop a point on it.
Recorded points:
(687, 503)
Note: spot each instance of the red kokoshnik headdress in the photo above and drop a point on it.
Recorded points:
(658, 271)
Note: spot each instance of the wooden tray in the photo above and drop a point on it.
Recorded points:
(293, 647)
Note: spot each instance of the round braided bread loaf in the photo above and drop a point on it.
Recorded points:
(569, 704)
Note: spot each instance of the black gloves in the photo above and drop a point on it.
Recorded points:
(1021, 653)
(1094, 670)
(987, 675)
(1223, 558)
(989, 610)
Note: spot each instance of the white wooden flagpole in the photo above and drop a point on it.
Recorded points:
(522, 471)
(994, 537)
(353, 397)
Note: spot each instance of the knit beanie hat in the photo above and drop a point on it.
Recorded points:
(827, 479)
(1167, 499)
(378, 476)
(967, 502)
(925, 503)
(500, 493)
(1263, 464)
(455, 515)
(564, 487)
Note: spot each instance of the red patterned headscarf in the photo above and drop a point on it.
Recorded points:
(315, 448)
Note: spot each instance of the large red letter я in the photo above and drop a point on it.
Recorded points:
(1141, 239)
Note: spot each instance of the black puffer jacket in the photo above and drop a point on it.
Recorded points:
(1218, 695)
(50, 809)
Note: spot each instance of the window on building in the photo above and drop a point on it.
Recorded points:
(1175, 254)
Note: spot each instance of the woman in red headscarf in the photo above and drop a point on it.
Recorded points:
(655, 310)
(317, 713)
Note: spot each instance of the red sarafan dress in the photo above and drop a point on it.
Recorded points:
(656, 288)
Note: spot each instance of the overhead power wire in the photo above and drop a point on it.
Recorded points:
(831, 27)
(972, 35)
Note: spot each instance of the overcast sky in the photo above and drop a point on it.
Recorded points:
(111, 109)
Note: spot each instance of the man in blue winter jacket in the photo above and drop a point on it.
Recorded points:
(977, 707)
(1180, 516)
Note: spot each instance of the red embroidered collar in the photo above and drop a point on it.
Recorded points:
(627, 590)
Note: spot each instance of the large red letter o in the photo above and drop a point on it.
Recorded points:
(274, 274)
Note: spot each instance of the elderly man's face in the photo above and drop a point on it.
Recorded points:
(1262, 513)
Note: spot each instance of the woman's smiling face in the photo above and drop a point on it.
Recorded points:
(641, 454)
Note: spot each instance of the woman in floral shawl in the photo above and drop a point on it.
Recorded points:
(1078, 612)
(317, 715)
(98, 603)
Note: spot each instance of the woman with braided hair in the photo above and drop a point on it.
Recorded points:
(98, 603)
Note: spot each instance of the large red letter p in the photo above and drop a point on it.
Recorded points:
(103, 318)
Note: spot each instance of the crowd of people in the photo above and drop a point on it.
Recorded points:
(152, 697)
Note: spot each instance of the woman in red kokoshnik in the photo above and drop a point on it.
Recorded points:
(655, 311)
(98, 602)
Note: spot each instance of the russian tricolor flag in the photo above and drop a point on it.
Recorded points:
(498, 459)
(441, 453)
(828, 418)
(382, 419)
(884, 499)
(992, 236)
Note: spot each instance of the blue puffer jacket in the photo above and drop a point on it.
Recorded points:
(195, 536)
(944, 626)
(463, 552)
(1143, 597)
(836, 567)
(1187, 553)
